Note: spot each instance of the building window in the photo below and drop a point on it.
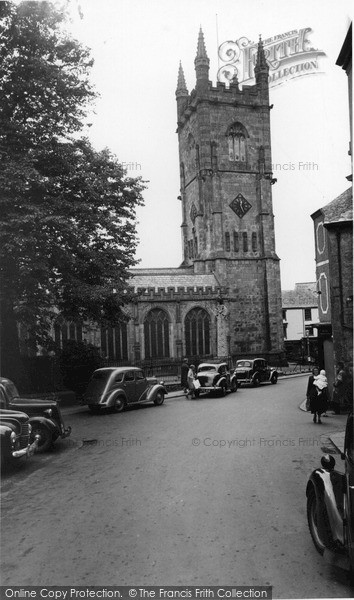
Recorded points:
(227, 241)
(254, 242)
(284, 314)
(308, 314)
(285, 331)
(236, 242)
(245, 241)
(236, 137)
(64, 331)
(156, 334)
(197, 332)
(114, 342)
(191, 248)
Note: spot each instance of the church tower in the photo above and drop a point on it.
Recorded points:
(226, 195)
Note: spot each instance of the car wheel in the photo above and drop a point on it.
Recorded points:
(256, 381)
(119, 404)
(234, 385)
(315, 513)
(45, 437)
(274, 378)
(159, 399)
(223, 390)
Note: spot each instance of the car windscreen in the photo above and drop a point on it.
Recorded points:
(206, 368)
(243, 363)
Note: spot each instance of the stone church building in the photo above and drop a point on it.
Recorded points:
(224, 300)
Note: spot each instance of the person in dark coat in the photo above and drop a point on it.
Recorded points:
(184, 375)
(319, 396)
(315, 372)
(342, 389)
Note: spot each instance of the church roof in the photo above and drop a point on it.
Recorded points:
(171, 278)
(303, 296)
(340, 209)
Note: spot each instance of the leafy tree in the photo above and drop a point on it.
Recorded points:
(67, 212)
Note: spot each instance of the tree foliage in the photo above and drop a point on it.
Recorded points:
(67, 211)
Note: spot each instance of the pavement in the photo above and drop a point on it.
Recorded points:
(336, 438)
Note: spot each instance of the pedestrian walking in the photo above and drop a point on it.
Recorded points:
(190, 381)
(319, 396)
(314, 373)
(184, 375)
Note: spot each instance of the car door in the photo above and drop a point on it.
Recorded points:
(262, 370)
(140, 385)
(129, 387)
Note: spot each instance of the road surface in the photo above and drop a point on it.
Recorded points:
(194, 492)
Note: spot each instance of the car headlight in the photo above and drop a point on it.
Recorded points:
(29, 428)
(13, 437)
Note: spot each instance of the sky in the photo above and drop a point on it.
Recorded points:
(137, 46)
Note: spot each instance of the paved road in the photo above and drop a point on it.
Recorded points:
(194, 492)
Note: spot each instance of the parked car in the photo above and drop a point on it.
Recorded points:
(15, 432)
(45, 416)
(330, 505)
(119, 387)
(215, 377)
(255, 371)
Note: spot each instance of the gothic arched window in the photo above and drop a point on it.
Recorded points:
(114, 342)
(236, 136)
(197, 332)
(156, 334)
(65, 331)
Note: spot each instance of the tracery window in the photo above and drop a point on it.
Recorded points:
(114, 342)
(197, 332)
(65, 331)
(156, 334)
(236, 136)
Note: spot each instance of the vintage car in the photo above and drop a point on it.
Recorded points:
(45, 416)
(330, 506)
(15, 432)
(254, 371)
(119, 387)
(215, 377)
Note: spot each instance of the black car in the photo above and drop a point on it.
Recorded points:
(330, 505)
(45, 416)
(15, 432)
(255, 371)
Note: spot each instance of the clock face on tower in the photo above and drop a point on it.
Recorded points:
(240, 205)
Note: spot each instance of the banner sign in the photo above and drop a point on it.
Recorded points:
(289, 55)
